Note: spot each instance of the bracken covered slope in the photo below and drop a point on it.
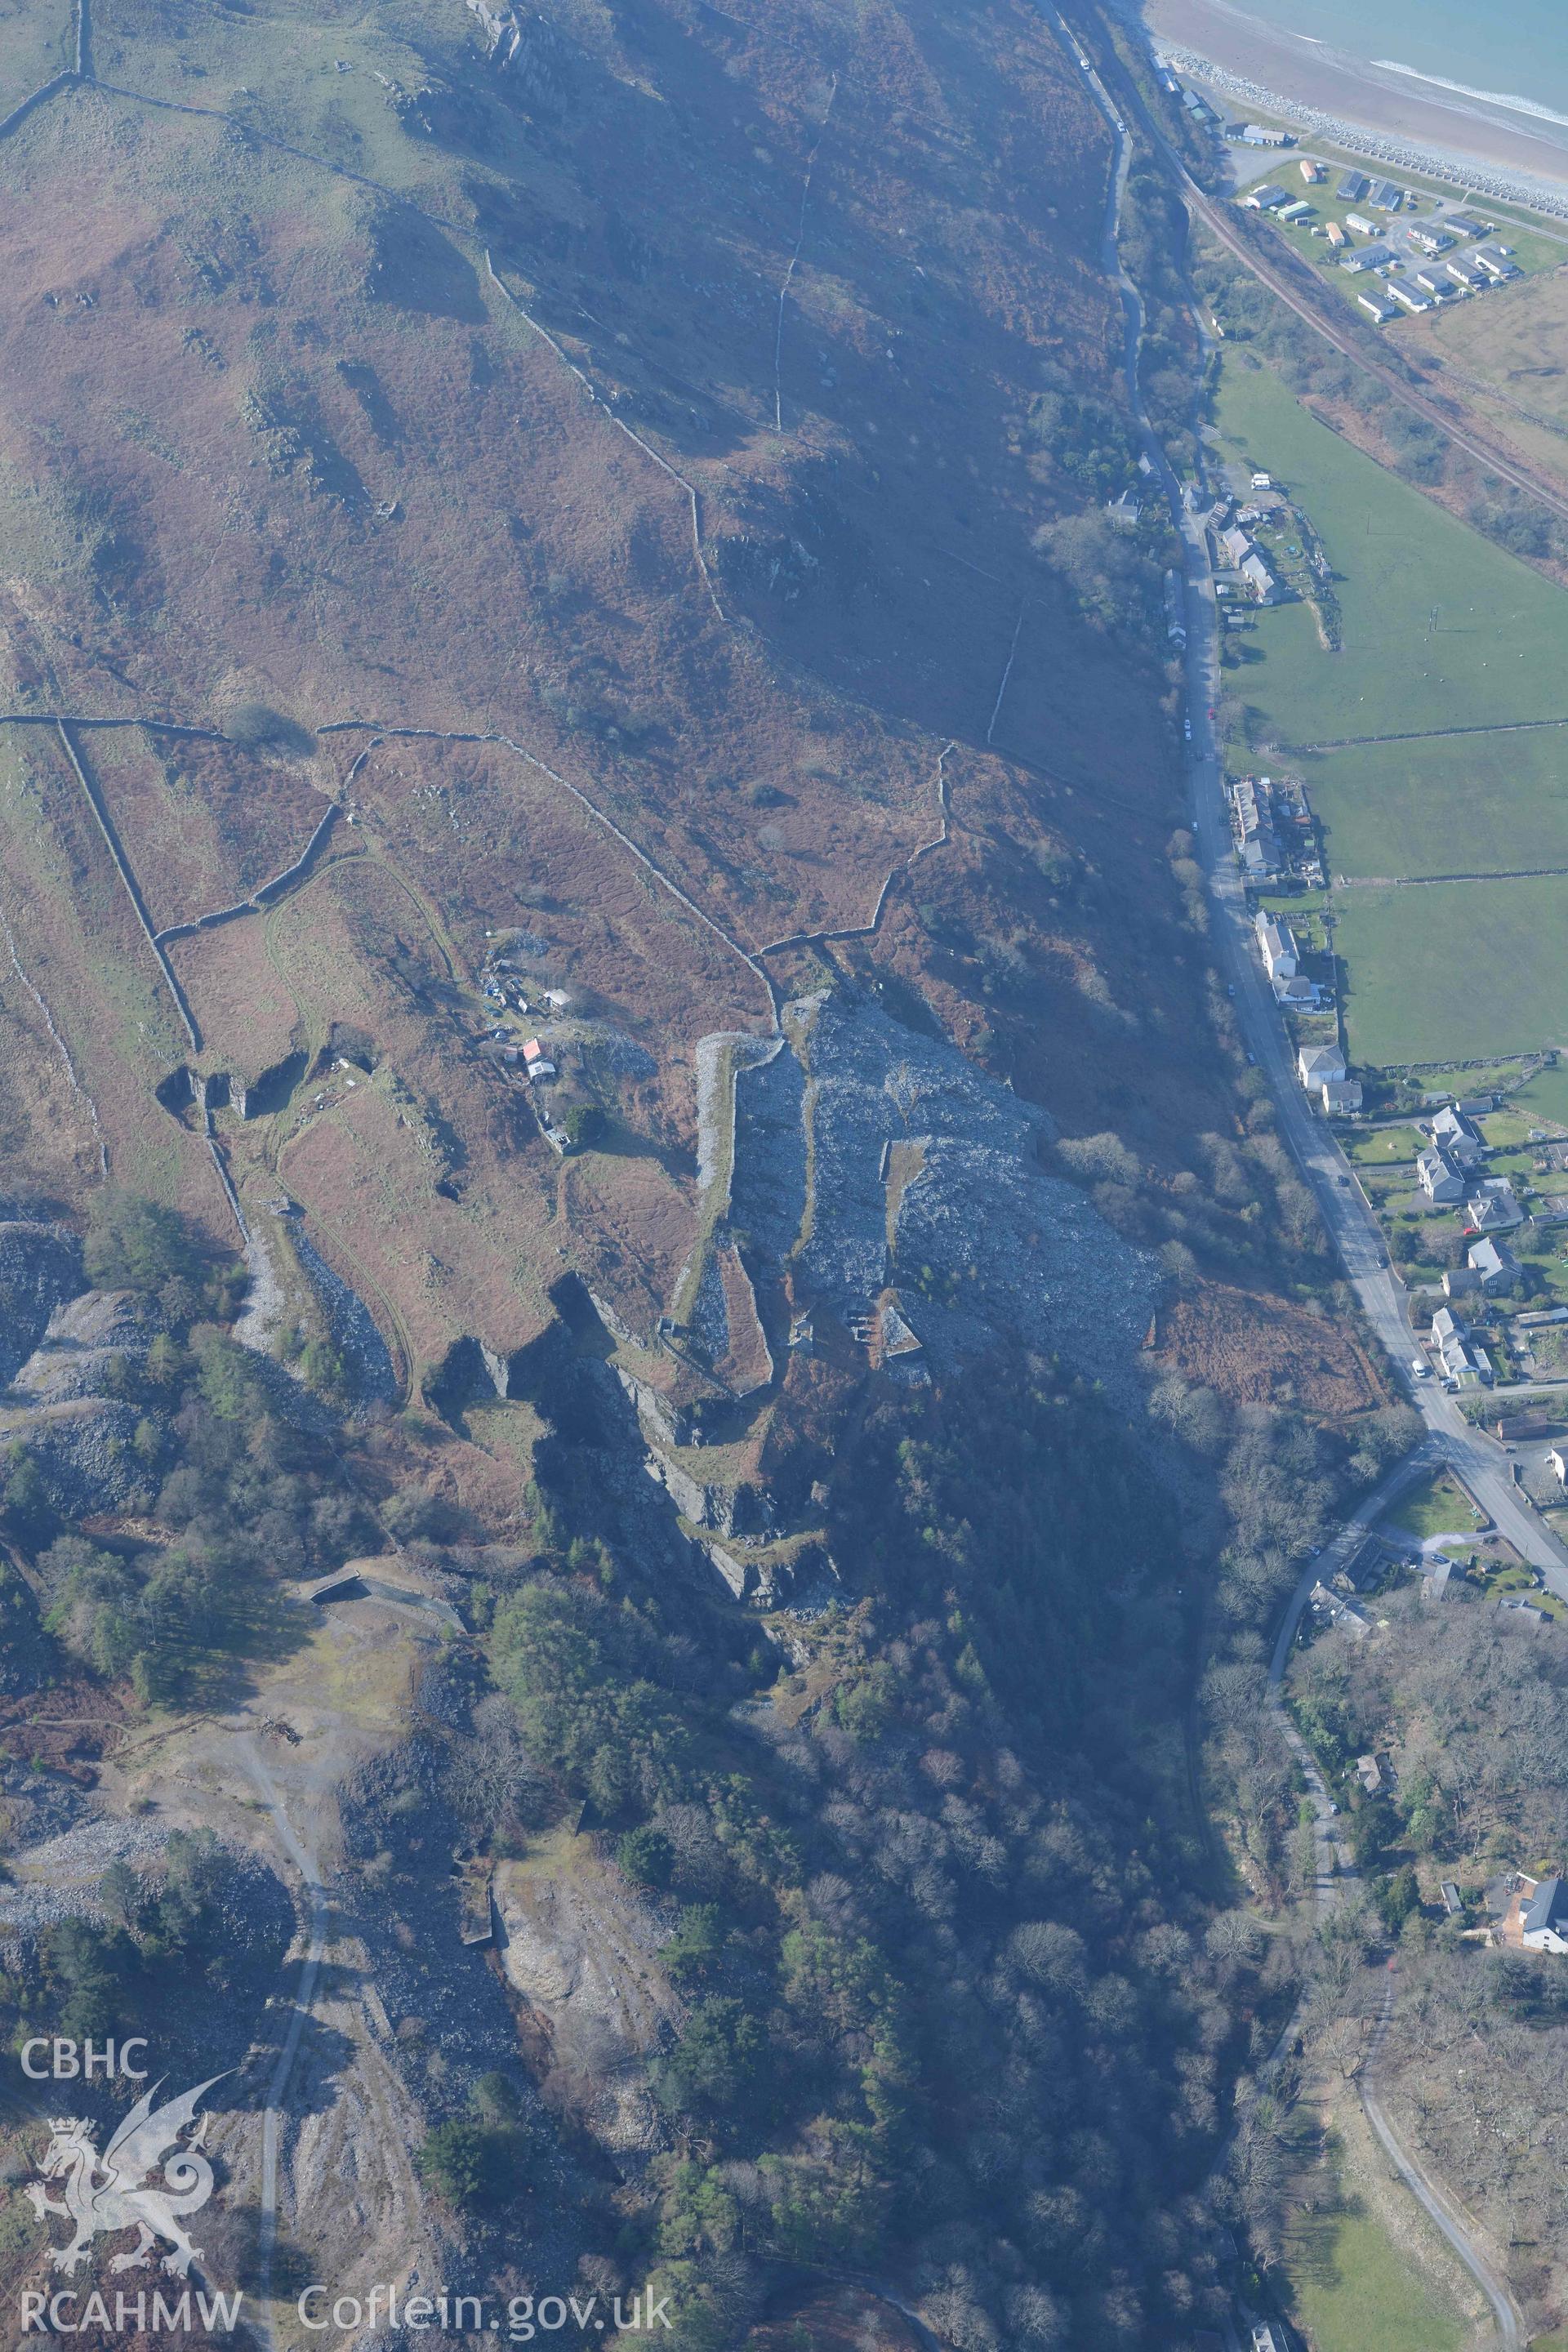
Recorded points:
(600, 436)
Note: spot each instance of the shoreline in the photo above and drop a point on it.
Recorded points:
(1387, 118)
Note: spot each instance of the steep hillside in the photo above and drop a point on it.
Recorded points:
(596, 933)
(591, 454)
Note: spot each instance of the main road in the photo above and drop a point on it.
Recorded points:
(1346, 1214)
(1345, 1211)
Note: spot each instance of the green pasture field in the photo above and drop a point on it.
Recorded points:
(1545, 1097)
(1441, 628)
(1495, 803)
(1453, 971)
(1357, 2291)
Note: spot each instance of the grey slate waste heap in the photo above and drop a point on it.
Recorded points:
(924, 1172)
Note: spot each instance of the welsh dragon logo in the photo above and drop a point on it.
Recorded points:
(114, 2192)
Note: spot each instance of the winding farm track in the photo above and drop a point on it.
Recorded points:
(1336, 1870)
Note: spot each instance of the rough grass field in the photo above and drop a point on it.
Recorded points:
(1355, 2292)
(1453, 971)
(1441, 628)
(35, 44)
(1517, 341)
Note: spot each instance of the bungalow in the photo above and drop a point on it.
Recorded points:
(1299, 995)
(1458, 1137)
(1465, 225)
(1376, 309)
(1342, 1097)
(1495, 263)
(1369, 257)
(1544, 1923)
(1353, 187)
(1277, 946)
(1437, 282)
(1464, 273)
(1494, 1209)
(1431, 241)
(1409, 297)
(1319, 1066)
(1387, 196)
(1441, 1180)
(1495, 1266)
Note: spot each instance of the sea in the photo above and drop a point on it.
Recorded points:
(1512, 54)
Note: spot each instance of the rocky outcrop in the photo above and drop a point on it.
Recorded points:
(40, 1267)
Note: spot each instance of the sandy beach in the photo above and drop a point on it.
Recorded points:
(1480, 140)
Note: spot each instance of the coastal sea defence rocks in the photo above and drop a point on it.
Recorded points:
(890, 1158)
(40, 1267)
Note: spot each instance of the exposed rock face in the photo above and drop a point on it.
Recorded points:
(40, 1267)
(583, 1953)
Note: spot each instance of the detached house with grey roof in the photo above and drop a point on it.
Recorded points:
(1440, 1179)
(1543, 1920)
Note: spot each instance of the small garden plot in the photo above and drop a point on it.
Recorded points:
(1437, 1507)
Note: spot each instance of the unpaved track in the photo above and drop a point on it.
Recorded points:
(277, 2108)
